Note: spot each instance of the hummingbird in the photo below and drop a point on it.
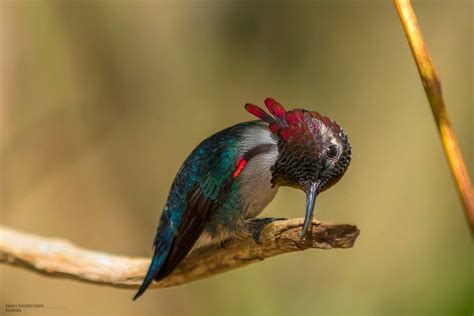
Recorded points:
(230, 177)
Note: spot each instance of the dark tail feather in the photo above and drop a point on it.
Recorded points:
(153, 270)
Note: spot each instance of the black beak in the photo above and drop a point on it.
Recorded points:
(311, 193)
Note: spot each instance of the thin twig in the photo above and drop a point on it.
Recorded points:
(60, 258)
(432, 85)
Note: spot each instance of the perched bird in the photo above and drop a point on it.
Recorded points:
(234, 174)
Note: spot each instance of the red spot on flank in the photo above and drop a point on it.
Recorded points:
(239, 167)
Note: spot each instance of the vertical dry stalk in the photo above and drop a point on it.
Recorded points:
(432, 85)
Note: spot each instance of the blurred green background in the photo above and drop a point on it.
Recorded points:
(102, 101)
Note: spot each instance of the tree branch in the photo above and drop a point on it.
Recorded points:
(61, 258)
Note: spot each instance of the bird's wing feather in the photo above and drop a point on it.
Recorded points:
(179, 229)
(192, 225)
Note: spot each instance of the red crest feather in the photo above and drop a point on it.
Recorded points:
(295, 125)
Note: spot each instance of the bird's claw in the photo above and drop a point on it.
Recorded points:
(260, 223)
(224, 244)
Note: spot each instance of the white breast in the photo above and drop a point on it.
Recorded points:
(256, 177)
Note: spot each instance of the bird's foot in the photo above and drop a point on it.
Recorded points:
(224, 244)
(260, 223)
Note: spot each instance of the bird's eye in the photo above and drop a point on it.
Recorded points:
(331, 152)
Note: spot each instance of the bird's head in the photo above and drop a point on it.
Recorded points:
(314, 152)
